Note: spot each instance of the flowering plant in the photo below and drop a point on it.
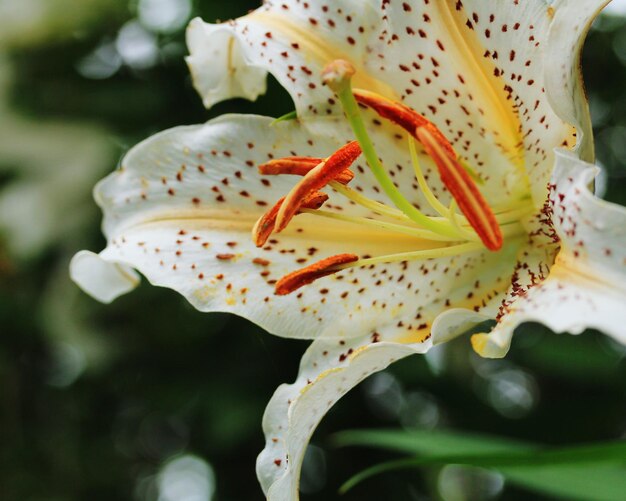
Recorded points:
(443, 151)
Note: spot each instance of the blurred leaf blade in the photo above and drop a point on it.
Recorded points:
(594, 471)
(434, 442)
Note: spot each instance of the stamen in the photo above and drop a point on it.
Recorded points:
(316, 179)
(309, 274)
(421, 181)
(265, 225)
(464, 190)
(402, 115)
(368, 203)
(375, 223)
(421, 255)
(454, 176)
(333, 264)
(300, 166)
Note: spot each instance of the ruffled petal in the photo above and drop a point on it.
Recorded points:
(334, 365)
(329, 369)
(476, 69)
(585, 286)
(564, 83)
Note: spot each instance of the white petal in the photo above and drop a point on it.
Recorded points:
(476, 68)
(564, 83)
(585, 287)
(329, 369)
(104, 280)
(292, 40)
(219, 64)
(181, 208)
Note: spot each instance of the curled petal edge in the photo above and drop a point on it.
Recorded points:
(295, 410)
(219, 65)
(102, 279)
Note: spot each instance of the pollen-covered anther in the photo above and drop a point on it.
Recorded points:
(402, 115)
(299, 166)
(464, 190)
(315, 180)
(264, 226)
(305, 276)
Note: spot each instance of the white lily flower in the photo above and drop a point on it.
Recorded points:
(498, 89)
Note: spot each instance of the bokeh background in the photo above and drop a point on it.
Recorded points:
(147, 399)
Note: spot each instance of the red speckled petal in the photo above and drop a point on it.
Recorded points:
(181, 209)
(585, 287)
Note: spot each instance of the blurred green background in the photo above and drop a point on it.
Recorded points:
(147, 399)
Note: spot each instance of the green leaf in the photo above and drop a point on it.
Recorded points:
(576, 473)
(429, 442)
(292, 115)
(600, 482)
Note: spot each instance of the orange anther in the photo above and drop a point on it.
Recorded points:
(309, 274)
(464, 190)
(316, 179)
(402, 115)
(299, 166)
(264, 227)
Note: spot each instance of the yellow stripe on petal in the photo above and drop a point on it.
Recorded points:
(319, 49)
(504, 120)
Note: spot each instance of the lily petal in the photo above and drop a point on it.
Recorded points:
(585, 287)
(180, 211)
(492, 105)
(564, 83)
(100, 278)
(235, 76)
(292, 40)
(331, 367)
(327, 372)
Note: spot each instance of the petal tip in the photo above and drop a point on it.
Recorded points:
(101, 279)
(486, 347)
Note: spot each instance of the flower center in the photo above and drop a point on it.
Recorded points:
(478, 226)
